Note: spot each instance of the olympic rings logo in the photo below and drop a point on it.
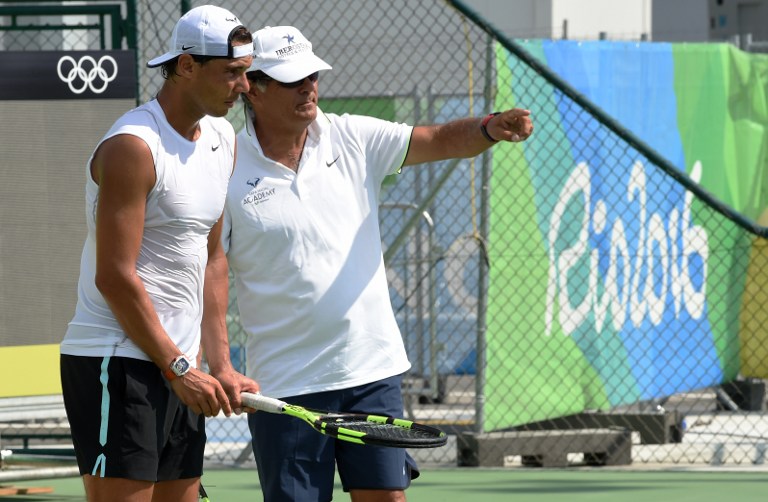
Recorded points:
(87, 73)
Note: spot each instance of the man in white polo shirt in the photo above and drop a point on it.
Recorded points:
(302, 233)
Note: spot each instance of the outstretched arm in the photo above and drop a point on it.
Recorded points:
(464, 138)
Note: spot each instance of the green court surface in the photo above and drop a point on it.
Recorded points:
(496, 485)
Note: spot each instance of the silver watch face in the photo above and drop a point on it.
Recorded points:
(180, 366)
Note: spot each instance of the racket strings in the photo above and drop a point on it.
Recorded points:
(389, 429)
(382, 430)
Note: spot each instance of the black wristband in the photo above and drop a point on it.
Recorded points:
(483, 128)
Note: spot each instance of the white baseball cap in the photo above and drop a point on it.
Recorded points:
(284, 54)
(204, 31)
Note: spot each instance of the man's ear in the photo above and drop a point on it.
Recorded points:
(186, 65)
(254, 93)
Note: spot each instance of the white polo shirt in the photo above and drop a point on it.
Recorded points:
(306, 252)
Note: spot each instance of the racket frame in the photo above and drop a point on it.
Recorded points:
(323, 422)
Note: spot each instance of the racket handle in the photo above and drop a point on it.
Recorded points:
(262, 403)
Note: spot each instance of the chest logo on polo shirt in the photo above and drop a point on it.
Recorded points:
(257, 195)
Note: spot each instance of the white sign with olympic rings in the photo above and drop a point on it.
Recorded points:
(87, 73)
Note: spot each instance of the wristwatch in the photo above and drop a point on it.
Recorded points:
(178, 368)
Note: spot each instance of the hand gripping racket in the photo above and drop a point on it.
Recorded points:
(355, 428)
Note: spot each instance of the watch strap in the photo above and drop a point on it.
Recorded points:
(169, 375)
(484, 127)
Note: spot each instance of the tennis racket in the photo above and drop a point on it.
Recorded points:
(354, 428)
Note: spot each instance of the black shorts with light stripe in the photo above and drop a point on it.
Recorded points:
(126, 422)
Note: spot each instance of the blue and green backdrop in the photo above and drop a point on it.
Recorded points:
(610, 283)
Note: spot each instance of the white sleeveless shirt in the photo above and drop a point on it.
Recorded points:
(185, 202)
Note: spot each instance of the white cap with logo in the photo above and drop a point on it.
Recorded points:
(284, 54)
(204, 31)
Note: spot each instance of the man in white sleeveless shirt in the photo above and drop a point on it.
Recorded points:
(303, 239)
(153, 281)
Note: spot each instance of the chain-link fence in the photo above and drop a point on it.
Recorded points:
(542, 288)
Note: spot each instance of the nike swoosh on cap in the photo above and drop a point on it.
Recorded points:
(187, 47)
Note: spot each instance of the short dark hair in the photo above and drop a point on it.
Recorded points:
(241, 35)
(258, 75)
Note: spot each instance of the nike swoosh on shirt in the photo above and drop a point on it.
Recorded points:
(329, 164)
(214, 148)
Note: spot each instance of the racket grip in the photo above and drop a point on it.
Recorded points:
(262, 403)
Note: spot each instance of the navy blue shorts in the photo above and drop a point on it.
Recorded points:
(295, 462)
(126, 422)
